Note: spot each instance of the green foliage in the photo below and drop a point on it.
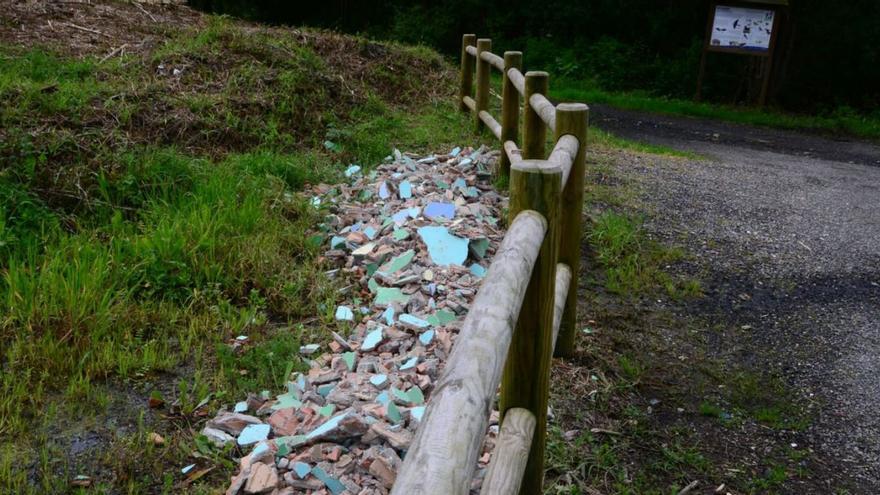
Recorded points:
(625, 45)
(634, 264)
(143, 229)
(266, 364)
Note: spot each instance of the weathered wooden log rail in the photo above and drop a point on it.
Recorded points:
(525, 311)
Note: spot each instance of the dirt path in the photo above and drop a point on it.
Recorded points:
(784, 229)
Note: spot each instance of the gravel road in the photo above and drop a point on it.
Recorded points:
(785, 232)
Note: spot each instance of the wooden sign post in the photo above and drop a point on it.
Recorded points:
(743, 27)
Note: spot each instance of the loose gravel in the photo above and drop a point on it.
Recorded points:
(788, 246)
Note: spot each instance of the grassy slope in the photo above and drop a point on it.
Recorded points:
(841, 122)
(148, 218)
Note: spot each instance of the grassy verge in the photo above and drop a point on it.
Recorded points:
(842, 121)
(150, 215)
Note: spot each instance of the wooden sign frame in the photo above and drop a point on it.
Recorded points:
(777, 6)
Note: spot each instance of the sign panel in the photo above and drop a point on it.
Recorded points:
(741, 28)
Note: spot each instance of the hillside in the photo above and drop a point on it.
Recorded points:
(149, 160)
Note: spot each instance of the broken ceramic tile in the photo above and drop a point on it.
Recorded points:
(384, 193)
(309, 349)
(301, 469)
(398, 263)
(413, 322)
(410, 363)
(417, 412)
(240, 407)
(324, 390)
(388, 315)
(352, 170)
(405, 190)
(349, 357)
(478, 247)
(478, 270)
(334, 485)
(390, 295)
(285, 401)
(364, 250)
(400, 234)
(436, 210)
(392, 412)
(442, 317)
(344, 313)
(337, 242)
(379, 381)
(416, 396)
(426, 337)
(372, 340)
(444, 248)
(253, 434)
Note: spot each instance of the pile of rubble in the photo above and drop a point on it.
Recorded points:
(415, 236)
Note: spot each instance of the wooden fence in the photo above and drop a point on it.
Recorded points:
(526, 306)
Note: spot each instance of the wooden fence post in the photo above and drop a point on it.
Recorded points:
(483, 72)
(467, 71)
(572, 118)
(534, 186)
(534, 129)
(509, 109)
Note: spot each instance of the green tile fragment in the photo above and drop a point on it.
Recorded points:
(392, 412)
(398, 262)
(441, 318)
(348, 357)
(479, 246)
(390, 295)
(416, 397)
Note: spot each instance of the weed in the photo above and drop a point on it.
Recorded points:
(634, 264)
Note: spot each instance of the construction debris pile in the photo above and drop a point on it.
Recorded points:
(415, 237)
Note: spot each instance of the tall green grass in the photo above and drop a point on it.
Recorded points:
(133, 296)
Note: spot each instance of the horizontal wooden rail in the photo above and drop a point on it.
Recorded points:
(469, 102)
(444, 451)
(564, 154)
(493, 59)
(513, 153)
(491, 123)
(542, 106)
(525, 311)
(511, 453)
(518, 80)
(563, 280)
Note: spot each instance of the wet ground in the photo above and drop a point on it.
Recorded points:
(784, 230)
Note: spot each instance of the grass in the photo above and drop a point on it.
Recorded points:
(632, 263)
(608, 140)
(147, 221)
(842, 121)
